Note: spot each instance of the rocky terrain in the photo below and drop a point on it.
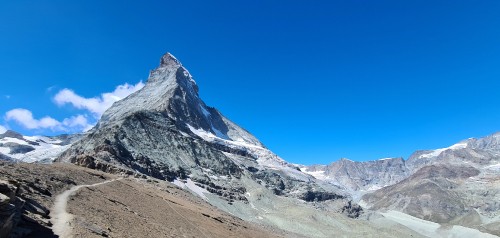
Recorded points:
(130, 207)
(361, 176)
(29, 190)
(146, 207)
(445, 194)
(457, 185)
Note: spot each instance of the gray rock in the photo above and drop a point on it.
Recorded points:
(365, 176)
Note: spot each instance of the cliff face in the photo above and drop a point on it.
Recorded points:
(361, 176)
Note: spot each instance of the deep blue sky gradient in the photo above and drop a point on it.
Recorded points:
(313, 80)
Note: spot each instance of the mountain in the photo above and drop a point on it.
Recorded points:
(372, 175)
(176, 166)
(167, 132)
(457, 185)
(477, 152)
(361, 176)
(19, 148)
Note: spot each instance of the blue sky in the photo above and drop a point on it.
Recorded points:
(314, 81)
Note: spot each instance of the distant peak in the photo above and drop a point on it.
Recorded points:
(12, 134)
(345, 160)
(169, 60)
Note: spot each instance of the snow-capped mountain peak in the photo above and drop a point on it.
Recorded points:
(166, 131)
(16, 147)
(437, 152)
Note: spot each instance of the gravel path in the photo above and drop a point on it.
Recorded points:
(60, 218)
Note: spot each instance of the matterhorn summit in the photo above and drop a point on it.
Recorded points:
(171, 90)
(166, 131)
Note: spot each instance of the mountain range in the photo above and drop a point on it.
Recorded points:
(165, 133)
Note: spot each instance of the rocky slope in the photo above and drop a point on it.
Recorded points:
(129, 207)
(361, 176)
(446, 194)
(458, 185)
(30, 189)
(479, 153)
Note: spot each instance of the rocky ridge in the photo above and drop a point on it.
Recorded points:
(361, 176)
(457, 185)
(372, 175)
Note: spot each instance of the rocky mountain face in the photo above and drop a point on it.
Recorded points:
(458, 185)
(18, 148)
(446, 194)
(361, 176)
(477, 152)
(167, 132)
(373, 175)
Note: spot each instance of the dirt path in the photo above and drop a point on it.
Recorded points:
(60, 218)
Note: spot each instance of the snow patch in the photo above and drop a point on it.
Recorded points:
(373, 187)
(13, 140)
(205, 111)
(189, 184)
(386, 159)
(220, 134)
(317, 174)
(437, 152)
(5, 150)
(265, 157)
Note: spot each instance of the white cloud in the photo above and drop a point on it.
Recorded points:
(77, 123)
(96, 105)
(7, 96)
(2, 129)
(25, 118)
